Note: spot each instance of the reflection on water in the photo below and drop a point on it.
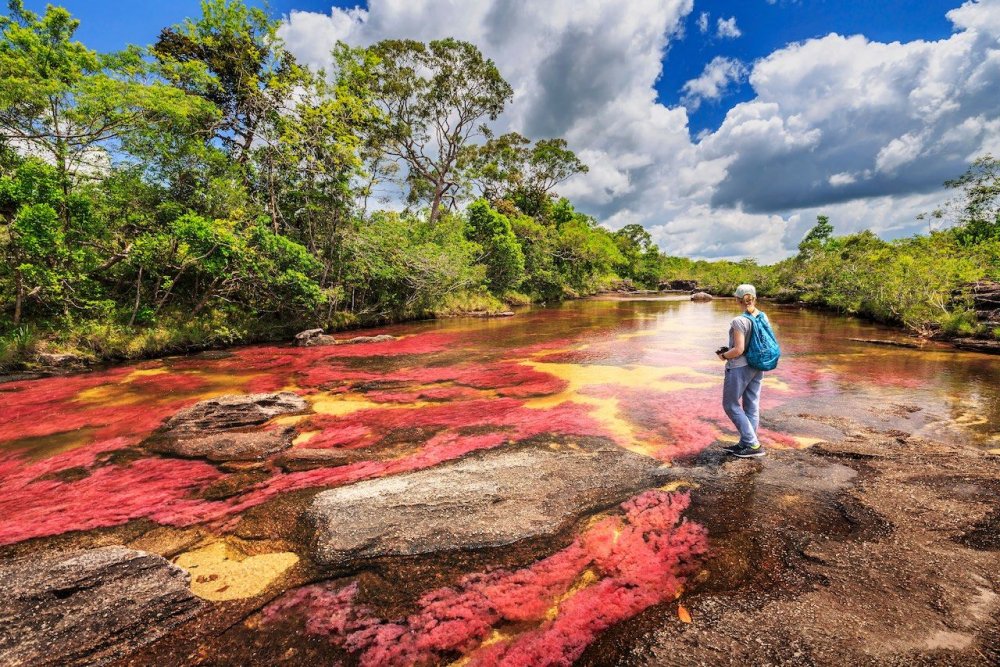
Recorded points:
(638, 372)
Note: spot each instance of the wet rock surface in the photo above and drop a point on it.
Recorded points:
(312, 337)
(231, 446)
(89, 607)
(220, 429)
(701, 296)
(234, 411)
(487, 500)
(866, 550)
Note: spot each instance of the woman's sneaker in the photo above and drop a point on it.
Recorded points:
(747, 451)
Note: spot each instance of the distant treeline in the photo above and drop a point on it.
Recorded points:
(921, 282)
(209, 189)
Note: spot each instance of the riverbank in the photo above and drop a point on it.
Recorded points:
(58, 349)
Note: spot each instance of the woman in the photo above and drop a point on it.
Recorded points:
(741, 389)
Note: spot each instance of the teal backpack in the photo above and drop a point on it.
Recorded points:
(762, 350)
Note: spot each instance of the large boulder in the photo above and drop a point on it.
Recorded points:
(89, 607)
(222, 428)
(234, 411)
(225, 446)
(312, 337)
(487, 500)
(701, 296)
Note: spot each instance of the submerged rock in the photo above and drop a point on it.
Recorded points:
(701, 296)
(214, 429)
(487, 313)
(487, 500)
(89, 607)
(307, 459)
(381, 338)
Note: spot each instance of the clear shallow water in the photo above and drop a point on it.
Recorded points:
(637, 372)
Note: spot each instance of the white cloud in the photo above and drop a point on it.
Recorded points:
(863, 131)
(726, 28)
(703, 22)
(717, 77)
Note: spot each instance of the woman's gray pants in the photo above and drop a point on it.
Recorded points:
(741, 400)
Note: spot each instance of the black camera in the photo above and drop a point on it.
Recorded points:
(722, 350)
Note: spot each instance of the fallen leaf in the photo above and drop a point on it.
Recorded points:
(683, 614)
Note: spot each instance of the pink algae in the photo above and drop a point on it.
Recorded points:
(634, 561)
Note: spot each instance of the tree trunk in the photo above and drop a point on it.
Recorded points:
(20, 296)
(135, 307)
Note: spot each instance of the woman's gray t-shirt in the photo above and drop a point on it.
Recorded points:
(744, 325)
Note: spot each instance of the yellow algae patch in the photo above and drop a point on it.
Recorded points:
(994, 451)
(657, 378)
(305, 436)
(146, 372)
(776, 384)
(804, 441)
(218, 574)
(347, 403)
(588, 578)
(288, 420)
(495, 637)
(677, 485)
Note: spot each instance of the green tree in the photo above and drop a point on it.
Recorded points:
(68, 104)
(817, 236)
(434, 98)
(980, 200)
(501, 252)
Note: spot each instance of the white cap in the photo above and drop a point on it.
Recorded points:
(743, 290)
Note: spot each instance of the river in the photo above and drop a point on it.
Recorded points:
(638, 372)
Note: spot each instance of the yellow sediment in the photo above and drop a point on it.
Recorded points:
(124, 392)
(218, 573)
(608, 409)
(305, 436)
(587, 578)
(347, 403)
(677, 485)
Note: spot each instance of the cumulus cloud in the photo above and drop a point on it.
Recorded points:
(703, 22)
(900, 118)
(863, 131)
(727, 28)
(718, 76)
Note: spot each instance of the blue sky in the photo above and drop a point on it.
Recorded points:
(859, 109)
(764, 26)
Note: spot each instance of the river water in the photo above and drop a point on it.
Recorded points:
(639, 372)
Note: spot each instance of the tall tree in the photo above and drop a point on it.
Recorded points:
(67, 104)
(509, 167)
(232, 57)
(434, 97)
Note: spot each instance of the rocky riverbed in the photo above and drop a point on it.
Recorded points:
(553, 500)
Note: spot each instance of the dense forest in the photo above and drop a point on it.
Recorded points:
(209, 189)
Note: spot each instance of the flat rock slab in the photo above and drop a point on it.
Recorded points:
(89, 607)
(234, 411)
(225, 446)
(487, 500)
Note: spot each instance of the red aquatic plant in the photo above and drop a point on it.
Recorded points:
(615, 569)
(37, 502)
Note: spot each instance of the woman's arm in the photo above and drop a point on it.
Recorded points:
(739, 342)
